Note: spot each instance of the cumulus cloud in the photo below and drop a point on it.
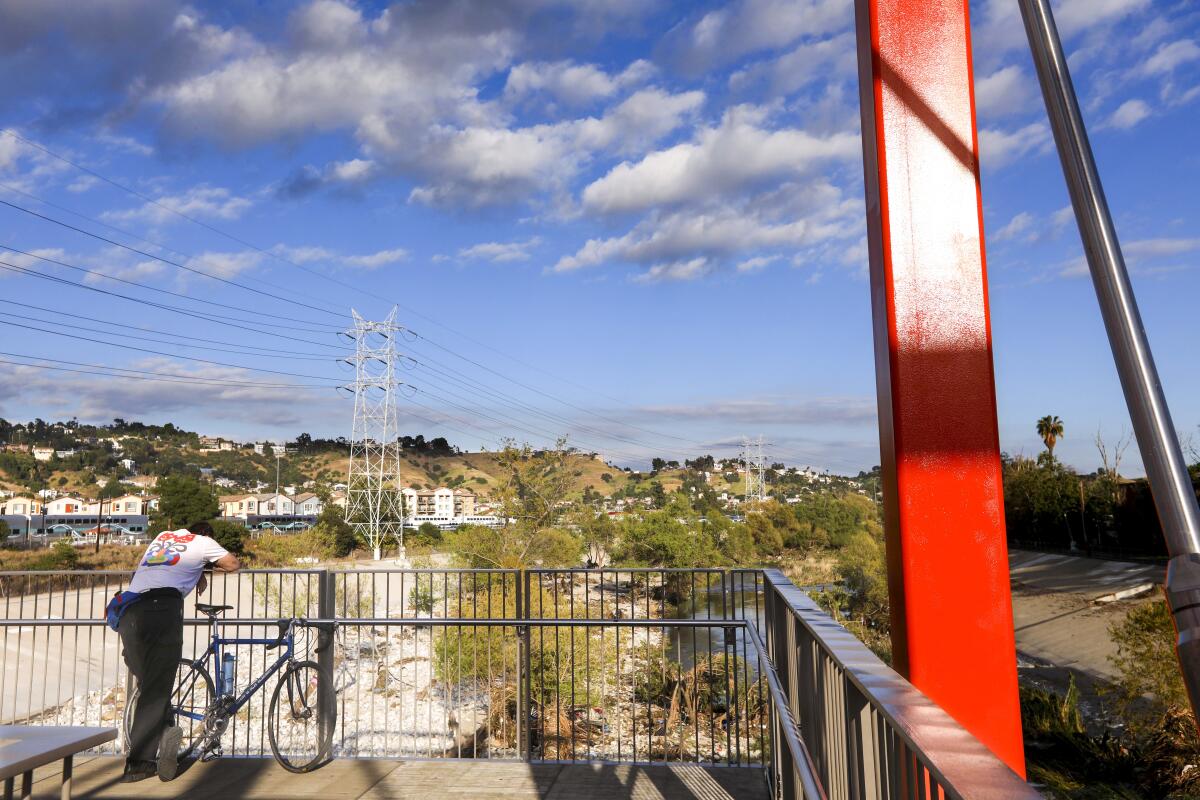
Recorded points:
(226, 265)
(314, 255)
(998, 147)
(378, 259)
(1006, 91)
(1128, 114)
(734, 155)
(206, 202)
(226, 393)
(770, 410)
(571, 83)
(833, 58)
(501, 252)
(692, 243)
(725, 34)
(1017, 226)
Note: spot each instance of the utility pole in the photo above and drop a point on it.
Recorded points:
(99, 517)
(278, 456)
(374, 505)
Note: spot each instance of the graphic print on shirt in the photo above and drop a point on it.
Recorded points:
(165, 550)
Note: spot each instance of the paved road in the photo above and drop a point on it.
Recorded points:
(1054, 613)
(260, 779)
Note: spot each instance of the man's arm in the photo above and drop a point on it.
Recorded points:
(227, 563)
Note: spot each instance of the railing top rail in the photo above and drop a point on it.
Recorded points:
(810, 783)
(957, 759)
(453, 622)
(655, 570)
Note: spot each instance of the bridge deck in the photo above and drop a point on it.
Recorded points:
(261, 779)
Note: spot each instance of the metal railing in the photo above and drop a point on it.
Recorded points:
(870, 733)
(720, 668)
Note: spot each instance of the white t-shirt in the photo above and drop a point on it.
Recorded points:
(175, 560)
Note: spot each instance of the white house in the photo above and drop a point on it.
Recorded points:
(129, 464)
(66, 505)
(21, 505)
(307, 505)
(43, 453)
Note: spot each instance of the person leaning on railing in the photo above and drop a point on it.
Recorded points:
(149, 617)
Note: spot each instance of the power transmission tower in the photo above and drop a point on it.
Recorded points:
(374, 507)
(755, 462)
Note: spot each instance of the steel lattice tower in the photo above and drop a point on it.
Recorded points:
(755, 462)
(374, 505)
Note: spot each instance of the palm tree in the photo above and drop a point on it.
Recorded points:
(1050, 428)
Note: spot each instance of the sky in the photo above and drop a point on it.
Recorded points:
(636, 223)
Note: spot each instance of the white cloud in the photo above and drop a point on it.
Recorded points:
(1169, 56)
(82, 184)
(725, 34)
(313, 254)
(29, 261)
(1018, 225)
(1128, 114)
(501, 251)
(478, 166)
(211, 202)
(377, 259)
(693, 243)
(352, 171)
(225, 265)
(834, 58)
(735, 155)
(571, 83)
(1006, 91)
(756, 263)
(998, 148)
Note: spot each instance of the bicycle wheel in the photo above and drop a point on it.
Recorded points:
(190, 699)
(301, 736)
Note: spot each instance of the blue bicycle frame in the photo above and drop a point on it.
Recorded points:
(287, 641)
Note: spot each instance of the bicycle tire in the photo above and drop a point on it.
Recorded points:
(193, 730)
(307, 743)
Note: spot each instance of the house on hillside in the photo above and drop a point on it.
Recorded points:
(65, 505)
(21, 505)
(43, 453)
(308, 505)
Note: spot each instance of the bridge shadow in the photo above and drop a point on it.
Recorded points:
(372, 779)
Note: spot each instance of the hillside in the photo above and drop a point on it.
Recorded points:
(134, 455)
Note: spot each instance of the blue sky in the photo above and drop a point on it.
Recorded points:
(639, 223)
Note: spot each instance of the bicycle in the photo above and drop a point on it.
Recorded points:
(301, 735)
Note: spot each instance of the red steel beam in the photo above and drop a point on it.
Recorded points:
(952, 625)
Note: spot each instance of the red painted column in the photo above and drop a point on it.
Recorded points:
(952, 627)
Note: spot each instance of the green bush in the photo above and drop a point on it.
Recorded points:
(230, 535)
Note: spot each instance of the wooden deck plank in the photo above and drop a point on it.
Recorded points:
(262, 779)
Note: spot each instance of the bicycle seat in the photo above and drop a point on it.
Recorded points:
(211, 611)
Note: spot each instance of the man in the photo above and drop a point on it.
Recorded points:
(149, 617)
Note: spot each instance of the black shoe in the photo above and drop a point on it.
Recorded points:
(137, 771)
(168, 753)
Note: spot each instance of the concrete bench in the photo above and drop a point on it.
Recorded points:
(24, 748)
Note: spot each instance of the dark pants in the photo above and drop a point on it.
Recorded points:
(152, 637)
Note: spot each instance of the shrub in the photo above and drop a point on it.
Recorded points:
(230, 535)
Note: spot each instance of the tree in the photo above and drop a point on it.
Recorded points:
(335, 535)
(1050, 428)
(184, 501)
(657, 465)
(532, 499)
(230, 535)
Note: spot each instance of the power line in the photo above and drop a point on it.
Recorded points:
(130, 234)
(161, 353)
(165, 377)
(331, 279)
(266, 350)
(172, 344)
(207, 317)
(168, 261)
(322, 329)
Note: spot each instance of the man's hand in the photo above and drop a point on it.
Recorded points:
(202, 584)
